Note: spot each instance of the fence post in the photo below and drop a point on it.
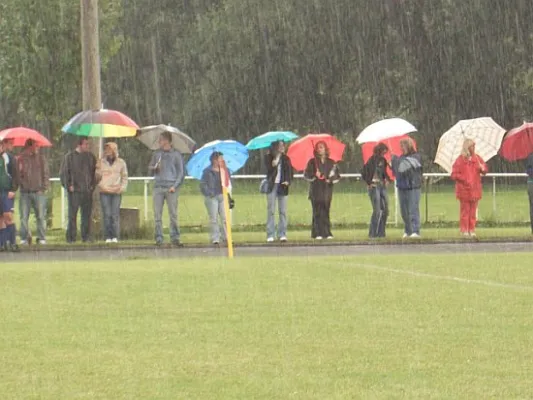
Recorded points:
(146, 200)
(426, 196)
(494, 196)
(63, 207)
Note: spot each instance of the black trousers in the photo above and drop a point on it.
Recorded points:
(79, 201)
(321, 223)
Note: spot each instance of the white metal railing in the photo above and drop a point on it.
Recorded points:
(147, 179)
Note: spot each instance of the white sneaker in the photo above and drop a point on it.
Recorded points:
(329, 237)
(114, 240)
(318, 238)
(270, 240)
(405, 236)
(23, 242)
(41, 242)
(473, 234)
(465, 234)
(283, 239)
(415, 236)
(109, 240)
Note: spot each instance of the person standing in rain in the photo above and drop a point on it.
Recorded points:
(113, 174)
(168, 170)
(34, 178)
(279, 177)
(467, 172)
(322, 173)
(211, 188)
(408, 172)
(375, 175)
(529, 171)
(8, 187)
(78, 177)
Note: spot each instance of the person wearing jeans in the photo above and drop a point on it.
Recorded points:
(78, 177)
(113, 174)
(279, 177)
(34, 176)
(375, 175)
(466, 172)
(211, 188)
(408, 172)
(529, 171)
(167, 167)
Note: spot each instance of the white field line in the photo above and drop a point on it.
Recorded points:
(446, 277)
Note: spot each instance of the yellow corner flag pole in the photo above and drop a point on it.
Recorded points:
(224, 178)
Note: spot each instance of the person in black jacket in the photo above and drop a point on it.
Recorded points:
(375, 176)
(322, 173)
(9, 182)
(279, 177)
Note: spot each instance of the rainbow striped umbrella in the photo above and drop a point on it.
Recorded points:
(102, 124)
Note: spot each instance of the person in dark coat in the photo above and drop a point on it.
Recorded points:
(9, 183)
(279, 177)
(375, 176)
(322, 173)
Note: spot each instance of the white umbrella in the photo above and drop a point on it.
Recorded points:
(486, 133)
(385, 129)
(149, 136)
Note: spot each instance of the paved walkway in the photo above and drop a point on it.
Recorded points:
(140, 253)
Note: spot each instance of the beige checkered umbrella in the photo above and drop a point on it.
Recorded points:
(486, 133)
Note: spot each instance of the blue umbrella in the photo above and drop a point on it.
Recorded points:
(265, 140)
(235, 155)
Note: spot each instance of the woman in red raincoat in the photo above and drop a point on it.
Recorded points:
(467, 172)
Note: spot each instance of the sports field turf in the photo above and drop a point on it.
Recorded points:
(382, 327)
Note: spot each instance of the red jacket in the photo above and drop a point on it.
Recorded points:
(466, 173)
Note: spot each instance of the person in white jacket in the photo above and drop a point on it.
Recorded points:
(113, 174)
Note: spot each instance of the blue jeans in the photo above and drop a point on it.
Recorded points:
(111, 214)
(160, 195)
(215, 210)
(410, 210)
(380, 211)
(37, 202)
(272, 197)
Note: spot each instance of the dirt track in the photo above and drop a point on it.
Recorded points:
(261, 251)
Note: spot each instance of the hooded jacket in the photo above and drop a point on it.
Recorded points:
(466, 173)
(408, 171)
(113, 174)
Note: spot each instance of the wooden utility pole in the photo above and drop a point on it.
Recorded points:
(92, 92)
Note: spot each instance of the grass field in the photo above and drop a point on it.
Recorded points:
(350, 207)
(382, 327)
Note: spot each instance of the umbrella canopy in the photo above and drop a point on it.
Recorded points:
(265, 140)
(20, 134)
(302, 150)
(518, 144)
(385, 129)
(102, 124)
(149, 136)
(235, 155)
(486, 133)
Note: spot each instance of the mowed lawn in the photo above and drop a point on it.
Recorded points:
(381, 327)
(350, 205)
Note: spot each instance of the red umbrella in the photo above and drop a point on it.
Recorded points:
(20, 134)
(302, 150)
(392, 143)
(518, 143)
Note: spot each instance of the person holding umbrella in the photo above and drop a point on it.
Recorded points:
(467, 172)
(279, 177)
(375, 175)
(168, 170)
(211, 188)
(113, 173)
(322, 173)
(9, 183)
(34, 178)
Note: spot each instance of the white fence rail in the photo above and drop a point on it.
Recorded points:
(147, 179)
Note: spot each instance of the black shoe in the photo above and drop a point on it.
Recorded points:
(159, 244)
(14, 248)
(177, 243)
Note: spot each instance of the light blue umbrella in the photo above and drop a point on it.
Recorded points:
(265, 140)
(235, 154)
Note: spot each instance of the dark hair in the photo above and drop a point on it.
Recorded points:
(318, 144)
(29, 143)
(380, 148)
(167, 136)
(215, 155)
(82, 139)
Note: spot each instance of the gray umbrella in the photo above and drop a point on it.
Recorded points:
(149, 136)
